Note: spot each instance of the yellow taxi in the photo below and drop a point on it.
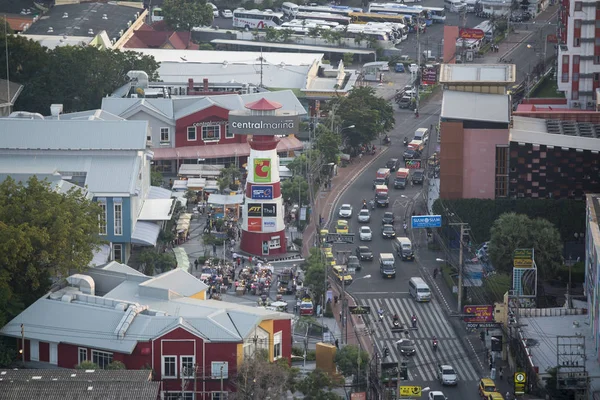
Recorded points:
(341, 275)
(341, 226)
(494, 396)
(486, 387)
(329, 259)
(327, 250)
(323, 235)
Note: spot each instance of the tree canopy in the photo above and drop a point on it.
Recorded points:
(328, 144)
(371, 115)
(517, 231)
(184, 15)
(317, 385)
(43, 233)
(77, 77)
(314, 277)
(295, 189)
(347, 360)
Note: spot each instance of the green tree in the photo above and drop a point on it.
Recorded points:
(116, 365)
(153, 262)
(87, 365)
(4, 26)
(156, 177)
(348, 360)
(517, 231)
(317, 385)
(233, 174)
(183, 15)
(371, 115)
(271, 34)
(348, 59)
(43, 234)
(295, 189)
(328, 144)
(285, 35)
(258, 378)
(315, 274)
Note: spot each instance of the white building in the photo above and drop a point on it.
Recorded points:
(578, 65)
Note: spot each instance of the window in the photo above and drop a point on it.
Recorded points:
(575, 95)
(275, 242)
(118, 219)
(102, 219)
(178, 396)
(218, 395)
(187, 366)
(211, 133)
(565, 59)
(277, 346)
(101, 358)
(219, 369)
(118, 252)
(575, 60)
(577, 24)
(575, 77)
(565, 77)
(82, 355)
(596, 59)
(164, 135)
(169, 367)
(228, 134)
(191, 133)
(501, 187)
(578, 5)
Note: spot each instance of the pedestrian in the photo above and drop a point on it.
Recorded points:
(507, 396)
(214, 246)
(500, 373)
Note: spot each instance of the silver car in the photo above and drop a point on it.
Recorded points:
(447, 375)
(364, 215)
(345, 211)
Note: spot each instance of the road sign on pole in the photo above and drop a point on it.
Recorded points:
(426, 221)
(340, 238)
(410, 391)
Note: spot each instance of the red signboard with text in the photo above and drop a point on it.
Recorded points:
(468, 33)
(481, 313)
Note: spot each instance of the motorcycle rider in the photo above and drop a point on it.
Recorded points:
(380, 312)
(396, 318)
(414, 320)
(435, 343)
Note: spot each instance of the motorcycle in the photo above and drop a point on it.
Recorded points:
(396, 322)
(380, 313)
(435, 345)
(405, 141)
(414, 321)
(372, 204)
(387, 140)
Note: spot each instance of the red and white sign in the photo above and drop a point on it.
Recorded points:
(481, 313)
(429, 76)
(254, 224)
(469, 33)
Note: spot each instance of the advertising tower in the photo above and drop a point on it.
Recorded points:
(263, 227)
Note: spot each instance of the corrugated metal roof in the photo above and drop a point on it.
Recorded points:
(104, 173)
(89, 115)
(76, 375)
(156, 210)
(178, 281)
(122, 268)
(158, 193)
(49, 134)
(63, 390)
(481, 106)
(145, 233)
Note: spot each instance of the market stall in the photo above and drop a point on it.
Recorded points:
(183, 227)
(219, 203)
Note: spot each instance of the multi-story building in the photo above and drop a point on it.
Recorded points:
(163, 323)
(101, 153)
(592, 263)
(579, 53)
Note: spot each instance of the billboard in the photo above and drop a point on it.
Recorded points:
(469, 33)
(269, 224)
(523, 258)
(269, 210)
(429, 76)
(254, 224)
(262, 170)
(261, 192)
(482, 313)
(413, 164)
(241, 123)
(254, 210)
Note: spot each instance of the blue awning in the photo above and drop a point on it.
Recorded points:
(145, 233)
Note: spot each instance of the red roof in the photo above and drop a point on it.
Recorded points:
(263, 105)
(148, 38)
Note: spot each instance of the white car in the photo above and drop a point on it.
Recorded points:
(345, 211)
(364, 215)
(447, 375)
(227, 14)
(365, 233)
(437, 395)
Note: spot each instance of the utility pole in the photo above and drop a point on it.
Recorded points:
(358, 367)
(463, 232)
(261, 67)
(418, 77)
(23, 344)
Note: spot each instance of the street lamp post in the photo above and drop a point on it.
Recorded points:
(344, 313)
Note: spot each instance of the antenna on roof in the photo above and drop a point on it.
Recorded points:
(261, 66)
(6, 49)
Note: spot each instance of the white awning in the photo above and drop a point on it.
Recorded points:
(180, 185)
(145, 233)
(159, 193)
(225, 200)
(196, 183)
(156, 210)
(182, 258)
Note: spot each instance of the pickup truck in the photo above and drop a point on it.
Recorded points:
(382, 177)
(418, 176)
(401, 178)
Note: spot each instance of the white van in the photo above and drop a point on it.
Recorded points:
(215, 10)
(403, 248)
(422, 134)
(419, 290)
(289, 9)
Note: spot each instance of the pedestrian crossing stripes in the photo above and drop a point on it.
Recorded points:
(431, 322)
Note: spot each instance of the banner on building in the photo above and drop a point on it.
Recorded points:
(261, 192)
(429, 76)
(254, 210)
(262, 170)
(269, 210)
(469, 33)
(269, 224)
(254, 224)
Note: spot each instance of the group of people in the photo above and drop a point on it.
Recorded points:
(254, 279)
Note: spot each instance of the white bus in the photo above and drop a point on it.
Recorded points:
(437, 14)
(308, 23)
(340, 19)
(255, 19)
(454, 5)
(355, 31)
(487, 28)
(400, 9)
(339, 10)
(399, 31)
(289, 9)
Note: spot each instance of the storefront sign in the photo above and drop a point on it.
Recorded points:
(210, 123)
(523, 258)
(520, 381)
(261, 192)
(269, 225)
(262, 170)
(269, 210)
(241, 123)
(413, 164)
(429, 76)
(481, 313)
(254, 210)
(254, 224)
(469, 33)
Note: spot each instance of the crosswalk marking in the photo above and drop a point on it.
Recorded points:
(431, 322)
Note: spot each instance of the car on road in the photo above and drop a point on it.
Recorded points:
(447, 375)
(411, 154)
(387, 231)
(388, 218)
(364, 215)
(345, 211)
(393, 164)
(341, 226)
(364, 253)
(494, 396)
(405, 102)
(341, 274)
(418, 176)
(365, 233)
(486, 386)
(330, 259)
(436, 395)
(227, 14)
(353, 264)
(406, 347)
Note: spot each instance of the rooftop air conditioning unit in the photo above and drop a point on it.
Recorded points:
(576, 104)
(104, 16)
(66, 15)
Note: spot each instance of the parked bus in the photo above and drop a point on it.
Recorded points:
(308, 24)
(487, 28)
(255, 19)
(363, 18)
(339, 10)
(361, 31)
(399, 31)
(454, 5)
(436, 14)
(289, 9)
(328, 17)
(394, 8)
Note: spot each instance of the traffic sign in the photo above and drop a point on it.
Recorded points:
(410, 391)
(340, 238)
(520, 381)
(426, 221)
